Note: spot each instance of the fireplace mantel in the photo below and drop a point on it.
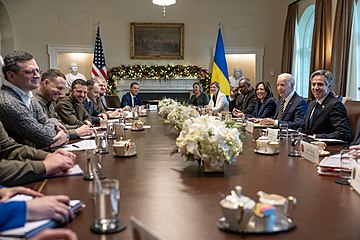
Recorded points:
(155, 89)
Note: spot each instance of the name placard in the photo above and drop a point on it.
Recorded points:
(309, 151)
(272, 134)
(249, 127)
(355, 178)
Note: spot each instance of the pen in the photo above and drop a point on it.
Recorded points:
(75, 146)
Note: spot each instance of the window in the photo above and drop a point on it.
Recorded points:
(354, 62)
(302, 51)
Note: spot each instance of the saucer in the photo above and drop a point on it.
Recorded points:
(286, 225)
(265, 153)
(124, 155)
(324, 153)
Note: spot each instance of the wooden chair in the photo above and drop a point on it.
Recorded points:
(112, 101)
(353, 112)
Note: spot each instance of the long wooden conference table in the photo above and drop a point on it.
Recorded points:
(176, 201)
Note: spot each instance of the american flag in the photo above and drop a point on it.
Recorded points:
(98, 66)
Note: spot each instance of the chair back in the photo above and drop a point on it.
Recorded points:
(112, 101)
(353, 112)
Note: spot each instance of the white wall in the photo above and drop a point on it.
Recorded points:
(37, 23)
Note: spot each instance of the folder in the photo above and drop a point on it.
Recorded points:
(34, 227)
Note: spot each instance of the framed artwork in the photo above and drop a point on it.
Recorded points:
(157, 41)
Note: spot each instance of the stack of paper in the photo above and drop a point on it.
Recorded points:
(330, 166)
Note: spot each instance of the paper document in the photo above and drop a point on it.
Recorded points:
(74, 171)
(81, 145)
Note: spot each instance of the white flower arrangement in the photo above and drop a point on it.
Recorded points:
(207, 139)
(179, 114)
(166, 105)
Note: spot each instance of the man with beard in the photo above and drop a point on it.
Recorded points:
(70, 109)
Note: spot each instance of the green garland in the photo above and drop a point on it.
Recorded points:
(157, 72)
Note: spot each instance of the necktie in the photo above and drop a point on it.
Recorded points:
(133, 102)
(214, 100)
(281, 110)
(312, 116)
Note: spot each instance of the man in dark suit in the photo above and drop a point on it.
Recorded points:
(245, 101)
(291, 107)
(326, 116)
(131, 99)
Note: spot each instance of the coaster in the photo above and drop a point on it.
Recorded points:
(121, 226)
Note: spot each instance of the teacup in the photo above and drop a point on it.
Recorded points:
(284, 205)
(103, 123)
(137, 125)
(320, 145)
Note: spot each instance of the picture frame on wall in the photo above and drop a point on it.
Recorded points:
(157, 41)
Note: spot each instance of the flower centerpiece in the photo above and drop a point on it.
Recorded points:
(179, 114)
(209, 140)
(166, 105)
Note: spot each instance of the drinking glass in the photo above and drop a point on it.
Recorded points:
(295, 144)
(283, 130)
(347, 159)
(107, 207)
(101, 143)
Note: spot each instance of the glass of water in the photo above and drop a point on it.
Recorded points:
(283, 130)
(107, 206)
(347, 160)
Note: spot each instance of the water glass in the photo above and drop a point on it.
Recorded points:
(89, 157)
(283, 130)
(110, 131)
(101, 143)
(106, 206)
(347, 160)
(295, 144)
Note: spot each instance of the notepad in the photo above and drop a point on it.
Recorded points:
(74, 171)
(81, 145)
(32, 228)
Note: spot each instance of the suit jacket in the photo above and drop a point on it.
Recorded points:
(93, 110)
(245, 104)
(329, 121)
(264, 110)
(127, 101)
(13, 215)
(294, 112)
(222, 104)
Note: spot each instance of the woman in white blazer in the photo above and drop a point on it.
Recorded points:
(218, 101)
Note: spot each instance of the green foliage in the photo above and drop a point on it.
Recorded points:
(157, 72)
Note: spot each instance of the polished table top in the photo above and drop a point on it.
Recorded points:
(176, 201)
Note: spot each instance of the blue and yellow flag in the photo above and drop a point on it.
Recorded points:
(220, 71)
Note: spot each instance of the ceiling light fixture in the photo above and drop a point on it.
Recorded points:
(164, 4)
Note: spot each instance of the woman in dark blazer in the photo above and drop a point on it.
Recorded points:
(199, 98)
(265, 103)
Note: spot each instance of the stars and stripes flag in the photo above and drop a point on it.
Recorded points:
(99, 66)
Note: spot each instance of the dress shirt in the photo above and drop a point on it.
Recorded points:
(25, 97)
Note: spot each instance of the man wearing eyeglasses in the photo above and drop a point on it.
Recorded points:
(21, 116)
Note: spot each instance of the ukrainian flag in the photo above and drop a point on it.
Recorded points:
(220, 71)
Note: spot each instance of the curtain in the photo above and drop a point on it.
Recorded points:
(288, 40)
(341, 45)
(321, 41)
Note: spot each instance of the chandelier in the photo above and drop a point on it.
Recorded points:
(164, 4)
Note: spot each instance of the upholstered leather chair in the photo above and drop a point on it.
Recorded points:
(353, 112)
(112, 101)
